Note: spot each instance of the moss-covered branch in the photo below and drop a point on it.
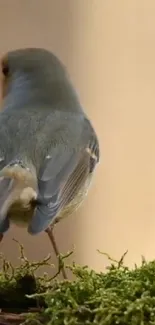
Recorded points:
(118, 296)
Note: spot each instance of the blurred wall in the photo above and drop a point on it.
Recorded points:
(109, 49)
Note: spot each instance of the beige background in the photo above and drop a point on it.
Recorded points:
(109, 49)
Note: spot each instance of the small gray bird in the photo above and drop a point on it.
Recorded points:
(48, 146)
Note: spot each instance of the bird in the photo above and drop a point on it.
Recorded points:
(49, 148)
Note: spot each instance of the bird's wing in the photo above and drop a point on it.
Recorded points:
(63, 174)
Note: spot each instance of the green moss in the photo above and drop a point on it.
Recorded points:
(17, 282)
(118, 296)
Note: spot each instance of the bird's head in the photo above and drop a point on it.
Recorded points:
(30, 70)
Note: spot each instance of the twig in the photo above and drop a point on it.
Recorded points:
(119, 262)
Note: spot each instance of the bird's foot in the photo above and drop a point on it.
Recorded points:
(49, 231)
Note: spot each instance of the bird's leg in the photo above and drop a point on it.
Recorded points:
(49, 231)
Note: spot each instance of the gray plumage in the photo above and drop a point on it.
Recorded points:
(47, 143)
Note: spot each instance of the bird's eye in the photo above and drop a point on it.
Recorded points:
(5, 68)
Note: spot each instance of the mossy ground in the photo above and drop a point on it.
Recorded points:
(118, 296)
